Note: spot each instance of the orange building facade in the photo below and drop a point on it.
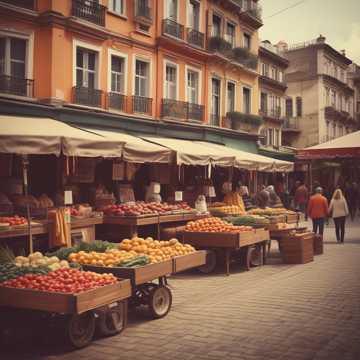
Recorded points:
(175, 60)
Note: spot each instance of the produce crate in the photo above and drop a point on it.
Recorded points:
(274, 219)
(298, 248)
(137, 275)
(131, 221)
(318, 245)
(193, 260)
(65, 303)
(292, 218)
(262, 234)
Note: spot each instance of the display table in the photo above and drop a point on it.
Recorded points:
(36, 229)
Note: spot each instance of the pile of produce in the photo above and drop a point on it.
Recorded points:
(214, 224)
(37, 259)
(62, 281)
(143, 208)
(248, 220)
(227, 210)
(8, 221)
(271, 212)
(42, 202)
(132, 253)
(10, 271)
(216, 204)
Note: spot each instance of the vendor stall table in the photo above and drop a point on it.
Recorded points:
(36, 229)
(229, 242)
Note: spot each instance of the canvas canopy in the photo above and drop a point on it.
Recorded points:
(193, 153)
(136, 149)
(250, 161)
(347, 146)
(29, 135)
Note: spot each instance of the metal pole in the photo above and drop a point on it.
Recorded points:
(25, 163)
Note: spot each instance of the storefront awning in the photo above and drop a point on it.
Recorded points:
(251, 161)
(28, 135)
(192, 152)
(135, 149)
(347, 146)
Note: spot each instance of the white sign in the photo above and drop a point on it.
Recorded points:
(212, 191)
(178, 195)
(68, 199)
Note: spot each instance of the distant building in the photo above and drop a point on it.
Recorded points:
(354, 79)
(320, 103)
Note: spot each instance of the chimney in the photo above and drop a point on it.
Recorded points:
(321, 39)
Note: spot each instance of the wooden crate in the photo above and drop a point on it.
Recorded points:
(131, 221)
(65, 303)
(137, 275)
(318, 245)
(189, 261)
(292, 218)
(262, 234)
(298, 249)
(210, 240)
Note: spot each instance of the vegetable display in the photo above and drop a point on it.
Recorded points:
(12, 221)
(62, 281)
(271, 211)
(214, 224)
(38, 259)
(248, 220)
(226, 210)
(10, 271)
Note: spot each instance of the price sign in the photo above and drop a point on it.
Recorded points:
(178, 195)
(212, 191)
(68, 198)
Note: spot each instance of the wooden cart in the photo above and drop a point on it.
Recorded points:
(251, 241)
(79, 314)
(156, 296)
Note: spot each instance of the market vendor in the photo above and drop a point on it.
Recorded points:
(233, 197)
(274, 199)
(263, 197)
(153, 193)
(244, 193)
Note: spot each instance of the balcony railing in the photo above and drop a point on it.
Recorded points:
(87, 96)
(219, 44)
(16, 86)
(195, 37)
(242, 121)
(27, 4)
(142, 105)
(171, 27)
(116, 101)
(181, 110)
(291, 124)
(89, 10)
(272, 113)
(143, 12)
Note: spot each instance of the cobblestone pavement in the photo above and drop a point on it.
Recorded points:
(277, 311)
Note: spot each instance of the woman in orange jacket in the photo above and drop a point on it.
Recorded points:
(318, 210)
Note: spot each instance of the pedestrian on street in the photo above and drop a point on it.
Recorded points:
(318, 210)
(339, 210)
(301, 197)
(351, 196)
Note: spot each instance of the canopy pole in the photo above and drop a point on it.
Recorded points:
(25, 163)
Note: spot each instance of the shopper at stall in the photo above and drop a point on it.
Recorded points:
(244, 193)
(274, 199)
(339, 210)
(263, 197)
(318, 210)
(301, 197)
(351, 196)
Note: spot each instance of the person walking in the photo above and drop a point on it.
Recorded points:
(301, 198)
(318, 210)
(339, 210)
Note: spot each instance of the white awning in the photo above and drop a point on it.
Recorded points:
(192, 152)
(35, 135)
(136, 149)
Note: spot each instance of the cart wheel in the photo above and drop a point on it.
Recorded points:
(80, 329)
(210, 264)
(160, 301)
(256, 256)
(112, 321)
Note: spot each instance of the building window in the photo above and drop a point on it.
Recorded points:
(335, 71)
(230, 97)
(327, 131)
(327, 96)
(194, 14)
(274, 73)
(216, 28)
(230, 33)
(171, 10)
(333, 98)
(193, 87)
(117, 6)
(215, 101)
(170, 82)
(270, 137)
(13, 59)
(247, 41)
(289, 108)
(117, 74)
(277, 138)
(281, 76)
(264, 103)
(265, 69)
(86, 68)
(341, 131)
(298, 106)
(246, 100)
(142, 78)
(334, 130)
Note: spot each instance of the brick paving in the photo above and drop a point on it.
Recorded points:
(277, 311)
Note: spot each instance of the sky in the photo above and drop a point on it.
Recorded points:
(337, 20)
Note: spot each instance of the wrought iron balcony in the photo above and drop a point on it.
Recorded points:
(116, 101)
(271, 113)
(195, 37)
(291, 124)
(143, 12)
(27, 4)
(16, 86)
(237, 120)
(181, 110)
(87, 96)
(172, 28)
(89, 10)
(219, 44)
(142, 105)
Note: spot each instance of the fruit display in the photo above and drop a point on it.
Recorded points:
(8, 221)
(216, 204)
(37, 259)
(10, 271)
(248, 220)
(226, 210)
(133, 252)
(42, 202)
(271, 212)
(214, 224)
(141, 208)
(61, 281)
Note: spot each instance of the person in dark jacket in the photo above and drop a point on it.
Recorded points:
(263, 198)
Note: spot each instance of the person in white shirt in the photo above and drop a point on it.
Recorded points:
(339, 210)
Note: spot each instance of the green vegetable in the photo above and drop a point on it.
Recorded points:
(10, 271)
(138, 261)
